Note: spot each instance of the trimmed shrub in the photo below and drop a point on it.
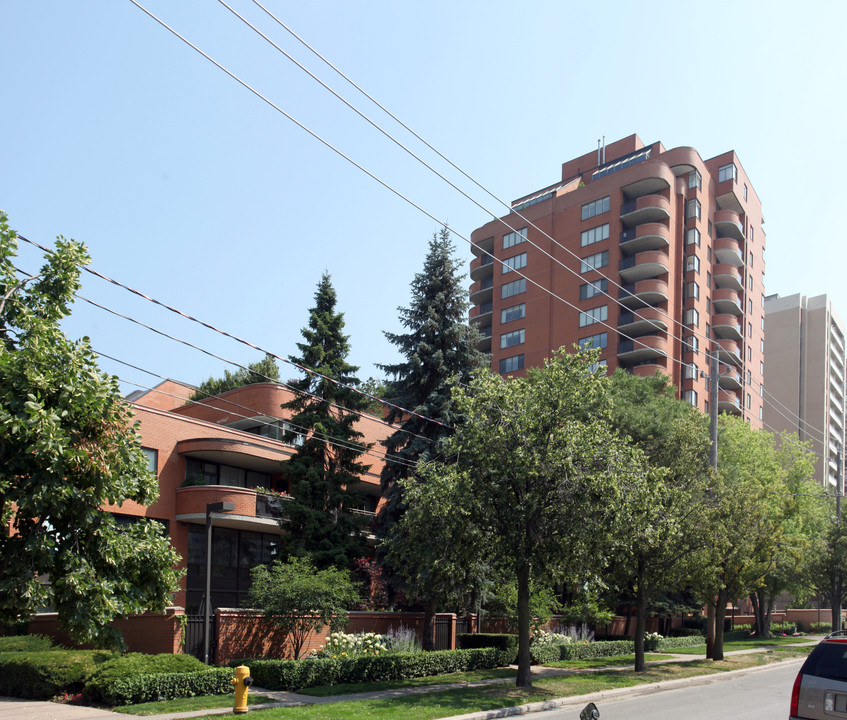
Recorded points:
(43, 674)
(685, 632)
(545, 654)
(820, 628)
(507, 643)
(607, 648)
(297, 674)
(26, 643)
(789, 628)
(683, 641)
(165, 686)
(99, 686)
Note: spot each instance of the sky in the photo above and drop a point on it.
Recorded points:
(191, 189)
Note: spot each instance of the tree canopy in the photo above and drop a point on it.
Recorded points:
(264, 370)
(68, 446)
(321, 521)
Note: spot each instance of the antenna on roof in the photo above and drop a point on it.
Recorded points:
(604, 149)
(598, 152)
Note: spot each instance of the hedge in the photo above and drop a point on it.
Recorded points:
(296, 674)
(604, 648)
(26, 643)
(682, 641)
(44, 674)
(506, 642)
(166, 686)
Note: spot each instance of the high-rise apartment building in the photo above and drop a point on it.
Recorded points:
(654, 256)
(806, 375)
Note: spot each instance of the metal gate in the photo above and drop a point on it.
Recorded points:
(442, 633)
(193, 644)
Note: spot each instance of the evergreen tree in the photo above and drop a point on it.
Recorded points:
(323, 474)
(439, 351)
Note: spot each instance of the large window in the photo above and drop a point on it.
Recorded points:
(516, 262)
(199, 472)
(510, 339)
(692, 290)
(596, 234)
(693, 343)
(592, 262)
(511, 364)
(516, 287)
(152, 460)
(690, 396)
(597, 207)
(727, 172)
(692, 237)
(516, 312)
(695, 180)
(600, 340)
(514, 238)
(692, 317)
(592, 289)
(598, 314)
(692, 262)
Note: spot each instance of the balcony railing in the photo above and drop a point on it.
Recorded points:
(270, 506)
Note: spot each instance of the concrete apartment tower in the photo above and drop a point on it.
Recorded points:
(655, 256)
(806, 375)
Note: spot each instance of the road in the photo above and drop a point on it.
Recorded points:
(762, 695)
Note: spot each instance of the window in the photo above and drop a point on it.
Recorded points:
(708, 279)
(200, 472)
(516, 262)
(695, 180)
(750, 259)
(590, 290)
(760, 412)
(749, 329)
(727, 172)
(692, 262)
(597, 207)
(761, 389)
(749, 306)
(511, 364)
(710, 228)
(598, 314)
(763, 323)
(693, 343)
(516, 312)
(509, 339)
(761, 345)
(152, 460)
(691, 371)
(709, 305)
(514, 238)
(708, 331)
(692, 290)
(761, 368)
(592, 262)
(692, 208)
(749, 377)
(690, 396)
(750, 282)
(749, 401)
(709, 253)
(692, 237)
(749, 354)
(745, 191)
(596, 234)
(515, 287)
(692, 317)
(752, 233)
(600, 340)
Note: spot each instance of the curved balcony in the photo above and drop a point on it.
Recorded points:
(647, 264)
(261, 457)
(729, 378)
(649, 369)
(727, 300)
(481, 314)
(647, 236)
(482, 267)
(646, 347)
(728, 276)
(728, 251)
(643, 293)
(728, 402)
(646, 209)
(484, 344)
(483, 246)
(727, 325)
(641, 322)
(482, 292)
(253, 510)
(728, 224)
(729, 351)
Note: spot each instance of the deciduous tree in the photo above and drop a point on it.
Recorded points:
(68, 446)
(264, 370)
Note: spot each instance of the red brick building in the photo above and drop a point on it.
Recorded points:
(655, 256)
(225, 448)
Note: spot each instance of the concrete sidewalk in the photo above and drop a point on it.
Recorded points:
(14, 709)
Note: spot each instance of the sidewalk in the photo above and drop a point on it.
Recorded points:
(14, 709)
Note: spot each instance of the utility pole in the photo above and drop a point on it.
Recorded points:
(838, 581)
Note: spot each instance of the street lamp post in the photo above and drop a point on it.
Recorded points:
(217, 507)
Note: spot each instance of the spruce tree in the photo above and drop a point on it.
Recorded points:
(324, 472)
(439, 351)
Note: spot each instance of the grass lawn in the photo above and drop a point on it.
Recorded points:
(603, 662)
(464, 677)
(427, 706)
(201, 702)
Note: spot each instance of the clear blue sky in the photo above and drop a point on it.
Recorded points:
(189, 188)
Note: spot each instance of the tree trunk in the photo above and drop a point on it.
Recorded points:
(835, 603)
(428, 640)
(758, 611)
(720, 616)
(640, 618)
(710, 628)
(628, 619)
(524, 671)
(768, 615)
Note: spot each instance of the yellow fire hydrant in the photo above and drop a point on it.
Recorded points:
(241, 682)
